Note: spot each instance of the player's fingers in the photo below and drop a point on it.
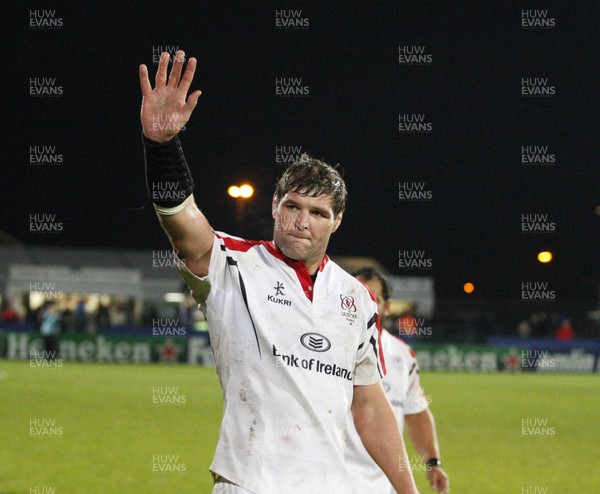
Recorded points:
(188, 75)
(192, 100)
(161, 73)
(434, 480)
(176, 69)
(144, 81)
(189, 106)
(441, 483)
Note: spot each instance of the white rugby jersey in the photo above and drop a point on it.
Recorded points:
(287, 353)
(402, 387)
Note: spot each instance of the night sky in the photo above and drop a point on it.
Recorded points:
(470, 92)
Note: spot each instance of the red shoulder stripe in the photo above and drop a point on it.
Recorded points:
(238, 244)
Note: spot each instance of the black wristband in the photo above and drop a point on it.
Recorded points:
(433, 462)
(168, 176)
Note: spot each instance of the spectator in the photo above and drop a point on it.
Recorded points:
(524, 329)
(9, 314)
(565, 331)
(102, 317)
(117, 315)
(80, 316)
(50, 329)
(67, 323)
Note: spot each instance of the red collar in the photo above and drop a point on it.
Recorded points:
(298, 266)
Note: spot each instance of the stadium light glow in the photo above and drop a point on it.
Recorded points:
(243, 191)
(544, 256)
(246, 191)
(469, 287)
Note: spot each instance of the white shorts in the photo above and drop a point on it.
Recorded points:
(227, 488)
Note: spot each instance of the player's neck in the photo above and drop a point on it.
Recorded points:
(314, 264)
(312, 268)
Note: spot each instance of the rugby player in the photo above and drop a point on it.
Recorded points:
(295, 338)
(401, 383)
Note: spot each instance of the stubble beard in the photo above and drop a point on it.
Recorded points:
(299, 251)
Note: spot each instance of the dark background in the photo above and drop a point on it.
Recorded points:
(348, 57)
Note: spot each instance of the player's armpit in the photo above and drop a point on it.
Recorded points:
(190, 235)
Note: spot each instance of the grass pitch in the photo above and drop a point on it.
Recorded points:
(106, 428)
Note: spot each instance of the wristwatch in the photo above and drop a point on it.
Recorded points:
(433, 462)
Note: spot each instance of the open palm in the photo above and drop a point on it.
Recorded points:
(165, 109)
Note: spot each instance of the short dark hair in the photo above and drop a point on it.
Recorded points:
(369, 273)
(312, 177)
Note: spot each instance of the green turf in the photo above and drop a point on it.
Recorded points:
(479, 421)
(111, 430)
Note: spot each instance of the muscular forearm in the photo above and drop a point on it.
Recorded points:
(170, 187)
(377, 427)
(422, 433)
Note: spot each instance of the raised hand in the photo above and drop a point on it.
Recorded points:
(165, 109)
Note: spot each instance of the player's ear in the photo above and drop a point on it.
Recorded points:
(274, 205)
(337, 221)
